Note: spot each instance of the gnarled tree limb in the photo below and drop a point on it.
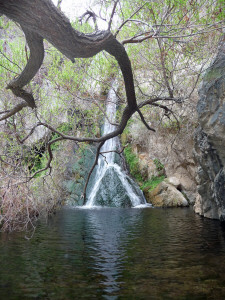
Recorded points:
(40, 19)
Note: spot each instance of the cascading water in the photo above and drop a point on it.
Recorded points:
(112, 187)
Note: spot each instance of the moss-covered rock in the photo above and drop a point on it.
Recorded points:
(116, 189)
(76, 174)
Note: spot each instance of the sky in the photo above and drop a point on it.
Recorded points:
(75, 8)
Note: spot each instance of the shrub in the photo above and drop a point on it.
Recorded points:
(132, 161)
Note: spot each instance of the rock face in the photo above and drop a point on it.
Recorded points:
(112, 191)
(166, 195)
(174, 151)
(76, 174)
(210, 140)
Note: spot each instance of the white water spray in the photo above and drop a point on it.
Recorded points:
(106, 161)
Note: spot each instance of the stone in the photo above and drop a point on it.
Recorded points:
(173, 181)
(198, 204)
(148, 168)
(209, 149)
(166, 195)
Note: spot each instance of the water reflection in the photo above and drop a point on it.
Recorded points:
(110, 234)
(116, 254)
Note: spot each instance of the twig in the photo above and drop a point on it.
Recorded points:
(112, 14)
(143, 120)
(132, 40)
(120, 27)
(90, 14)
(12, 62)
(9, 69)
(92, 168)
(166, 112)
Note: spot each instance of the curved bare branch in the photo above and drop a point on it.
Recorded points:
(13, 111)
(112, 14)
(35, 43)
(40, 19)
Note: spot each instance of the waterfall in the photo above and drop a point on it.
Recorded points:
(112, 187)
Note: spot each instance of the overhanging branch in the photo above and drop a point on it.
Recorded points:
(40, 19)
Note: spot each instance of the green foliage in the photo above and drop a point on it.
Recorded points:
(12, 57)
(4, 23)
(152, 183)
(173, 61)
(132, 161)
(158, 164)
(64, 128)
(39, 161)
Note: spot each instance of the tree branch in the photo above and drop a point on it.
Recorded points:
(41, 19)
(144, 122)
(48, 165)
(8, 69)
(120, 27)
(92, 169)
(133, 40)
(14, 110)
(35, 43)
(12, 62)
(112, 14)
(90, 14)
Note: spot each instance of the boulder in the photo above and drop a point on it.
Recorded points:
(184, 184)
(173, 181)
(166, 195)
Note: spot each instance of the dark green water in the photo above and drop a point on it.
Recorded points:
(116, 254)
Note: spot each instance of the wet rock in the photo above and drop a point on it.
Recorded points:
(210, 140)
(76, 174)
(112, 191)
(166, 195)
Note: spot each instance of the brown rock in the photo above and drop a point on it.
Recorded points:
(166, 195)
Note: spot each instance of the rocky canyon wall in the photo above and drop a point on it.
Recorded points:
(210, 140)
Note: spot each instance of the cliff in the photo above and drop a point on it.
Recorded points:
(210, 140)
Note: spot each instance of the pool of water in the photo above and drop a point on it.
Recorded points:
(115, 253)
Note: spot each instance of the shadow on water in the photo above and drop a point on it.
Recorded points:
(114, 253)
